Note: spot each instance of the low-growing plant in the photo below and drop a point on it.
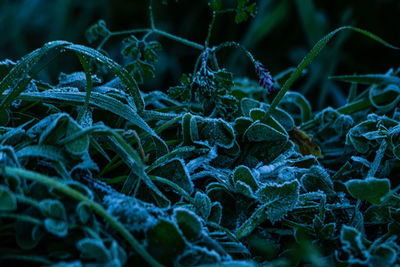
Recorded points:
(215, 171)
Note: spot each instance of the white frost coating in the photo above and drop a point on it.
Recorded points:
(193, 165)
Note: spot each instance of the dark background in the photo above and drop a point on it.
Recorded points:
(279, 36)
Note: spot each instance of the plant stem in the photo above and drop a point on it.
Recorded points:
(88, 76)
(151, 17)
(235, 45)
(179, 39)
(210, 27)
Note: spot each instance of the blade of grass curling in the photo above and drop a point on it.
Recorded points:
(25, 64)
(85, 67)
(309, 58)
(100, 101)
(22, 67)
(22, 84)
(117, 69)
(97, 208)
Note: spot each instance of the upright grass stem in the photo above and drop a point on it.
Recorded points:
(309, 58)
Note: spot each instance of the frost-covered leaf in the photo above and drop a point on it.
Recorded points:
(51, 128)
(96, 31)
(354, 244)
(214, 132)
(8, 202)
(189, 223)
(197, 256)
(279, 199)
(244, 189)
(215, 213)
(175, 170)
(84, 212)
(56, 221)
(164, 241)
(131, 47)
(370, 189)
(27, 235)
(53, 208)
(56, 227)
(93, 249)
(241, 124)
(316, 179)
(79, 145)
(243, 173)
(202, 204)
(258, 132)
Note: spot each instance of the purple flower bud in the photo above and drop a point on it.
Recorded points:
(265, 79)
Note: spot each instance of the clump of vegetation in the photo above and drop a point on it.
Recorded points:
(217, 171)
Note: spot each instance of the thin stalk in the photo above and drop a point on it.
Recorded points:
(21, 217)
(310, 57)
(210, 27)
(151, 16)
(179, 39)
(235, 45)
(88, 76)
(173, 185)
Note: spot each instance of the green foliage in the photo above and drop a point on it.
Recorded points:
(217, 172)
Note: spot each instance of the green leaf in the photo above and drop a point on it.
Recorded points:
(29, 61)
(277, 199)
(202, 204)
(53, 208)
(175, 171)
(258, 132)
(244, 189)
(316, 179)
(164, 241)
(215, 5)
(131, 47)
(147, 69)
(93, 249)
(257, 114)
(27, 235)
(215, 213)
(97, 31)
(243, 174)
(300, 101)
(56, 227)
(197, 256)
(214, 132)
(79, 145)
(189, 223)
(280, 198)
(370, 189)
(57, 124)
(8, 201)
(241, 16)
(83, 212)
(241, 124)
